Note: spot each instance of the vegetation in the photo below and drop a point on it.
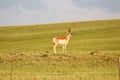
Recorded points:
(92, 53)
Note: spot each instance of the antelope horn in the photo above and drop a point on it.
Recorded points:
(69, 30)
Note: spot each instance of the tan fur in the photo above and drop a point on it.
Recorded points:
(61, 40)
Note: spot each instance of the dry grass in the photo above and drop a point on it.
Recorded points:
(93, 52)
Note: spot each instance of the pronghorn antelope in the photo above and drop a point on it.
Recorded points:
(62, 40)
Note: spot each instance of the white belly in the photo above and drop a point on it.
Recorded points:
(62, 41)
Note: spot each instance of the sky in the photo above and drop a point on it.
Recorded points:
(26, 12)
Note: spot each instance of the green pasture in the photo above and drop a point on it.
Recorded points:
(87, 36)
(92, 52)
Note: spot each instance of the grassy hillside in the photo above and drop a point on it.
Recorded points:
(87, 36)
(93, 51)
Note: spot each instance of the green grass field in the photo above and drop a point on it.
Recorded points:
(92, 52)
